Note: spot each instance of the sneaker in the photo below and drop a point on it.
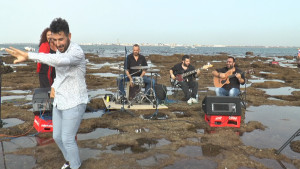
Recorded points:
(194, 100)
(190, 101)
(66, 166)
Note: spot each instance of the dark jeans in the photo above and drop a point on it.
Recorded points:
(44, 81)
(185, 86)
(146, 79)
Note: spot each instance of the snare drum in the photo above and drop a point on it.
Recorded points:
(138, 81)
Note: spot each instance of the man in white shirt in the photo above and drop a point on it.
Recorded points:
(69, 85)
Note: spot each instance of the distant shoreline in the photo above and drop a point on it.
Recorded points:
(166, 45)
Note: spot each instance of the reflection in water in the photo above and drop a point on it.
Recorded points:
(280, 91)
(8, 161)
(282, 123)
(86, 153)
(99, 132)
(105, 74)
(271, 163)
(99, 93)
(10, 122)
(95, 114)
(193, 164)
(19, 161)
(191, 151)
(151, 161)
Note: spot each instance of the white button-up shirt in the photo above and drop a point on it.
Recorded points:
(69, 84)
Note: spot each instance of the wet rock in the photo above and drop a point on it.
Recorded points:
(6, 69)
(249, 53)
(295, 146)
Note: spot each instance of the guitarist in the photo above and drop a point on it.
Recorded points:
(187, 82)
(234, 77)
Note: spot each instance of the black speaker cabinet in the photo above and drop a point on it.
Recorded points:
(222, 105)
(41, 102)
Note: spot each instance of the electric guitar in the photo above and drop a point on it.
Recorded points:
(220, 82)
(181, 77)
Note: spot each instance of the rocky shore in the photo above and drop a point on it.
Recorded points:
(184, 139)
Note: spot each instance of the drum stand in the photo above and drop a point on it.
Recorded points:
(297, 133)
(151, 98)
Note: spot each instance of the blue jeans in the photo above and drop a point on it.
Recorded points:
(65, 127)
(224, 92)
(146, 79)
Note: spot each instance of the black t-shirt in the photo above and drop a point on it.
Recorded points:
(234, 82)
(177, 69)
(131, 62)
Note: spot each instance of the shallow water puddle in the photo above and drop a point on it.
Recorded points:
(17, 161)
(255, 79)
(289, 65)
(262, 72)
(271, 163)
(144, 144)
(272, 98)
(191, 151)
(151, 161)
(95, 114)
(97, 66)
(207, 150)
(282, 123)
(193, 164)
(99, 132)
(156, 143)
(99, 93)
(118, 149)
(105, 74)
(10, 122)
(17, 91)
(280, 91)
(86, 153)
(6, 98)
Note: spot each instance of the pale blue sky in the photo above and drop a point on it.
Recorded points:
(205, 22)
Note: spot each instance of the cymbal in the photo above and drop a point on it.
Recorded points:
(117, 68)
(140, 67)
(153, 70)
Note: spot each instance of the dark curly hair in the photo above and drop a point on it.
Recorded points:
(58, 25)
(44, 36)
(185, 57)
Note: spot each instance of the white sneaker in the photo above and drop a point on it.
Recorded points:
(190, 101)
(66, 166)
(194, 100)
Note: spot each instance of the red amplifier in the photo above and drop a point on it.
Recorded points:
(42, 124)
(223, 121)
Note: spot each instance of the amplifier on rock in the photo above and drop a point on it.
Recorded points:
(222, 105)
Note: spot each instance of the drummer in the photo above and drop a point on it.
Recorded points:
(135, 59)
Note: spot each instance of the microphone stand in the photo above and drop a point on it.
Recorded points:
(123, 99)
(1, 70)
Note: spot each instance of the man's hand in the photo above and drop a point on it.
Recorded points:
(222, 75)
(173, 77)
(238, 75)
(130, 82)
(20, 55)
(198, 73)
(52, 93)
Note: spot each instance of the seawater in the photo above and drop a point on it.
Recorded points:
(117, 50)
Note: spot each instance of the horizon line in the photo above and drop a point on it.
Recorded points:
(165, 45)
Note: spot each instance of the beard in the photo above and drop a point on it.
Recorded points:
(229, 66)
(63, 48)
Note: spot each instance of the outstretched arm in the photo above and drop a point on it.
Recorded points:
(20, 55)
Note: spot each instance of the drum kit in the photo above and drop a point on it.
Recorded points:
(135, 93)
